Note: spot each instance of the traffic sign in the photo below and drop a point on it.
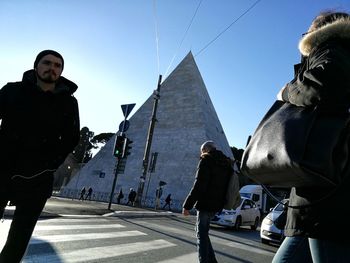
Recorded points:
(124, 126)
(127, 108)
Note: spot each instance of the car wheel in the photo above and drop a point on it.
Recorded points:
(238, 223)
(256, 223)
(264, 241)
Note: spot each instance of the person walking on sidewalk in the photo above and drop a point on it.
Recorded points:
(89, 193)
(39, 128)
(131, 197)
(120, 196)
(82, 193)
(167, 202)
(208, 195)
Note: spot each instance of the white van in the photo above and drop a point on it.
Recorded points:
(255, 193)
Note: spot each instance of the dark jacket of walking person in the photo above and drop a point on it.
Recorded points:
(39, 128)
(82, 193)
(89, 193)
(167, 202)
(323, 79)
(120, 196)
(131, 196)
(208, 195)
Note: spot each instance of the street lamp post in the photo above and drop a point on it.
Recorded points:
(156, 97)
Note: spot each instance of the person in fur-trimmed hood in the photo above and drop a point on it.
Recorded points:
(39, 128)
(318, 232)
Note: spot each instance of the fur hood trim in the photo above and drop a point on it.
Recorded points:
(337, 29)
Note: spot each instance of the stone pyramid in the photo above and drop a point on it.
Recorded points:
(186, 118)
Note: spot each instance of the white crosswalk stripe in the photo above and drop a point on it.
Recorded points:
(239, 245)
(80, 227)
(75, 237)
(98, 253)
(95, 233)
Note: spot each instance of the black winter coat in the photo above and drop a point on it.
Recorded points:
(209, 189)
(38, 130)
(322, 79)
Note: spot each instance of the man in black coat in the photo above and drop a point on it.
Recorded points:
(39, 128)
(208, 195)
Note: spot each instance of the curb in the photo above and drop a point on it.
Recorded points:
(138, 214)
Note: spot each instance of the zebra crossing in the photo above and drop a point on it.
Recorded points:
(99, 239)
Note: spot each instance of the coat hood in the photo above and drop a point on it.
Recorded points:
(339, 29)
(62, 84)
(218, 157)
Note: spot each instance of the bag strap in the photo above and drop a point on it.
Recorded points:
(330, 194)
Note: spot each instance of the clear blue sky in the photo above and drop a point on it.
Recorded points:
(110, 50)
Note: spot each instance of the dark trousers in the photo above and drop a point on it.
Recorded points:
(24, 220)
(206, 252)
(167, 205)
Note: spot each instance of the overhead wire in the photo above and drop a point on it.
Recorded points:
(222, 32)
(183, 38)
(156, 31)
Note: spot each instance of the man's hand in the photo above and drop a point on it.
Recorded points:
(185, 212)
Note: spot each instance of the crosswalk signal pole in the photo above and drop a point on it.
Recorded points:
(148, 144)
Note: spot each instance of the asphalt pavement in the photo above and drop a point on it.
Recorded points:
(58, 206)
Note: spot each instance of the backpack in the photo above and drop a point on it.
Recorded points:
(233, 197)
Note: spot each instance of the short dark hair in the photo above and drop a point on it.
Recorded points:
(208, 146)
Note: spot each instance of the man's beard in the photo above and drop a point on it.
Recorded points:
(49, 79)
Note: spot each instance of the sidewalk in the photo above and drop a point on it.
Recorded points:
(57, 206)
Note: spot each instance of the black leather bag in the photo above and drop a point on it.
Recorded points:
(298, 147)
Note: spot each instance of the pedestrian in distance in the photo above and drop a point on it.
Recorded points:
(82, 193)
(208, 195)
(120, 196)
(39, 128)
(167, 202)
(322, 79)
(89, 193)
(131, 197)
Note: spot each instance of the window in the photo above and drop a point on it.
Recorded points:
(256, 197)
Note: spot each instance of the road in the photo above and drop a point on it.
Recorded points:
(143, 239)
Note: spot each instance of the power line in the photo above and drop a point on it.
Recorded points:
(183, 38)
(156, 29)
(222, 32)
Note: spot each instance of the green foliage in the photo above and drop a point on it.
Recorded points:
(87, 142)
(101, 138)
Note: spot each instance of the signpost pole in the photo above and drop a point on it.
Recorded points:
(126, 108)
(148, 144)
(114, 182)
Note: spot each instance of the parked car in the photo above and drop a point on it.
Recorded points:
(246, 214)
(269, 232)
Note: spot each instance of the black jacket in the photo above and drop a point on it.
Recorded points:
(209, 188)
(322, 79)
(38, 130)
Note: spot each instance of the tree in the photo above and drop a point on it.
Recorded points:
(101, 138)
(83, 151)
(82, 154)
(238, 154)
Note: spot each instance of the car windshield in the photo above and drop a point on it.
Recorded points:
(247, 195)
(279, 207)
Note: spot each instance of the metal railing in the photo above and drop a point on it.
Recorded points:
(147, 202)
